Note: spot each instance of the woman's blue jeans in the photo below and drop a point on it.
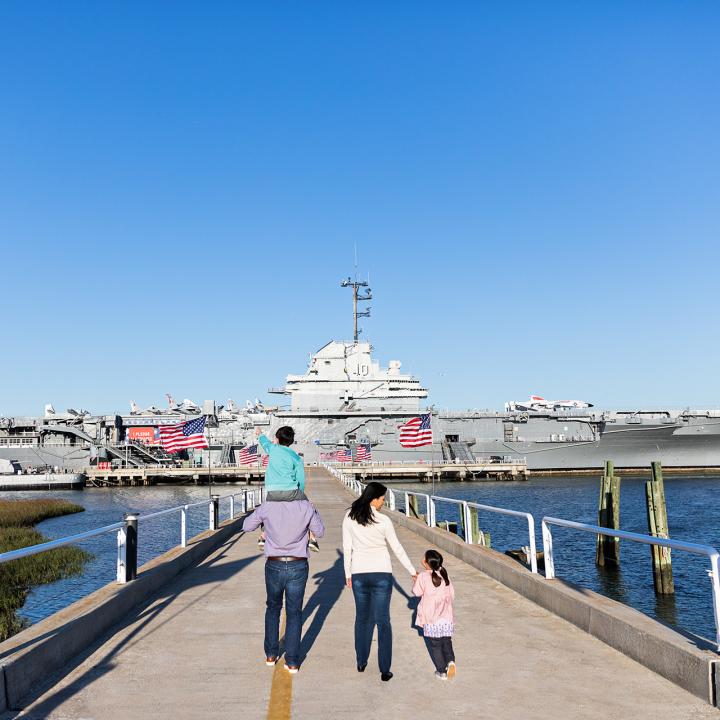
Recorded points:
(372, 593)
(288, 579)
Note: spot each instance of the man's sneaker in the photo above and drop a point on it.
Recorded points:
(451, 670)
(261, 543)
(441, 676)
(270, 661)
(313, 545)
(292, 669)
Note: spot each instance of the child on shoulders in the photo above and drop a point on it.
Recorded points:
(285, 473)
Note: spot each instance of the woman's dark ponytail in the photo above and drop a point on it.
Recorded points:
(435, 560)
(361, 510)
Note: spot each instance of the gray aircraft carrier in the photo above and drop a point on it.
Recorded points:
(346, 400)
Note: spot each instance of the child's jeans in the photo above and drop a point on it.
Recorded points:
(441, 652)
(285, 495)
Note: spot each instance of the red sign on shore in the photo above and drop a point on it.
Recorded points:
(145, 435)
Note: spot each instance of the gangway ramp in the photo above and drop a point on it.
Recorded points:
(196, 651)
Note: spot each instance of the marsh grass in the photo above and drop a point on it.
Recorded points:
(18, 577)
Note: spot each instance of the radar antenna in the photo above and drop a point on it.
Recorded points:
(359, 295)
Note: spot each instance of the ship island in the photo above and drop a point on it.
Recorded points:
(347, 404)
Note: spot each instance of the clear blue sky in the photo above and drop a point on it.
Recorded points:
(534, 189)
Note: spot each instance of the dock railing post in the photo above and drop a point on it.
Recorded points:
(121, 546)
(127, 549)
(548, 551)
(232, 507)
(214, 511)
(183, 526)
(715, 579)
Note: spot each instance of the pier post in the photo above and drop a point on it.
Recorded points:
(127, 549)
(183, 526)
(607, 549)
(214, 511)
(658, 527)
(413, 506)
(471, 526)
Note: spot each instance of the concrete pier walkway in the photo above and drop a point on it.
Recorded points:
(196, 651)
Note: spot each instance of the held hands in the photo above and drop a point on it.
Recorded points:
(348, 582)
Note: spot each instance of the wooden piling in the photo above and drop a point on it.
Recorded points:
(449, 525)
(607, 549)
(414, 507)
(476, 535)
(658, 527)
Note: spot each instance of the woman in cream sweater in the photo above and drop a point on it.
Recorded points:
(368, 571)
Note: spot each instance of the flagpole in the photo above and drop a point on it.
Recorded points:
(432, 458)
(209, 467)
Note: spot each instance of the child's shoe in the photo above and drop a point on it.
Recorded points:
(313, 545)
(451, 670)
(441, 676)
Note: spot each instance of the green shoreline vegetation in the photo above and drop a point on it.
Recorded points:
(18, 577)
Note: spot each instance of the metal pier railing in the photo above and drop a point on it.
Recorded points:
(126, 529)
(429, 505)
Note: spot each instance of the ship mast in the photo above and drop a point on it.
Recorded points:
(358, 296)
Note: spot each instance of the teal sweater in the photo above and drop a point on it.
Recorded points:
(285, 470)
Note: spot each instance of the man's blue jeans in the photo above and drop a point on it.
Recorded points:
(288, 579)
(372, 593)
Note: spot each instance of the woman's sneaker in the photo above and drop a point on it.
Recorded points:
(451, 669)
(313, 545)
(441, 676)
(270, 661)
(292, 669)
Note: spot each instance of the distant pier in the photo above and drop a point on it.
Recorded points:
(173, 476)
(423, 472)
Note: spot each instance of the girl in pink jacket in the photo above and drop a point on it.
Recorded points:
(435, 614)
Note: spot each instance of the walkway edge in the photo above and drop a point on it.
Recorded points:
(28, 659)
(634, 634)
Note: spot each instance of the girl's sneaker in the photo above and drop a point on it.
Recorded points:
(451, 670)
(313, 545)
(441, 676)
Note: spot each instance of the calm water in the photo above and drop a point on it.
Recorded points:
(104, 506)
(693, 514)
(693, 506)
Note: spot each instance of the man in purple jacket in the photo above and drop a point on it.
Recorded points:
(286, 571)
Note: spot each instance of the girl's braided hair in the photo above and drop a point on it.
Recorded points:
(435, 560)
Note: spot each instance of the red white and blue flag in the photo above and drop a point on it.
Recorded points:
(265, 460)
(344, 455)
(416, 432)
(364, 452)
(190, 434)
(248, 455)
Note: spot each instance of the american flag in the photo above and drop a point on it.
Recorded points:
(344, 455)
(248, 455)
(327, 456)
(416, 432)
(364, 452)
(265, 460)
(190, 434)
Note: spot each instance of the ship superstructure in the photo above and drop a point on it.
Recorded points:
(347, 399)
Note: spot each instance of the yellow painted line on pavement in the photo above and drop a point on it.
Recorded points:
(280, 705)
(281, 689)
